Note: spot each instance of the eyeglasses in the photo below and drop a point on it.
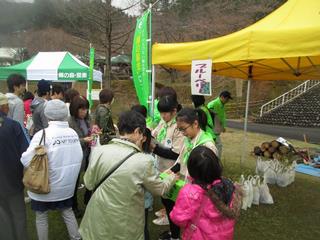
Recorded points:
(184, 129)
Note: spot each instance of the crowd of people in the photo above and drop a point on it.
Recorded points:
(121, 165)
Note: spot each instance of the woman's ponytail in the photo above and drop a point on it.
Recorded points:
(202, 118)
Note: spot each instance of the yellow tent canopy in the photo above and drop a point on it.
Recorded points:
(284, 45)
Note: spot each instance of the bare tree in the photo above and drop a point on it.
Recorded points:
(98, 22)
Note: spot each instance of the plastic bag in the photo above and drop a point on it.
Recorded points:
(256, 190)
(246, 186)
(250, 198)
(95, 141)
(283, 179)
(246, 195)
(242, 179)
(29, 122)
(292, 172)
(270, 174)
(286, 175)
(265, 195)
(292, 175)
(261, 166)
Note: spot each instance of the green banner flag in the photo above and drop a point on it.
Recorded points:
(91, 76)
(140, 60)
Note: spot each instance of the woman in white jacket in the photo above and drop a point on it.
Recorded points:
(64, 159)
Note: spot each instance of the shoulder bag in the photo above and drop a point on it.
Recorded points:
(36, 175)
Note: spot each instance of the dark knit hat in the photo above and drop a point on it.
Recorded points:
(43, 86)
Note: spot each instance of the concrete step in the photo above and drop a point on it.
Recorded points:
(304, 111)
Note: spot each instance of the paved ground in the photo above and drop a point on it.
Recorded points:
(313, 134)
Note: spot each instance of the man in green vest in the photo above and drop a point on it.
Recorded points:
(217, 106)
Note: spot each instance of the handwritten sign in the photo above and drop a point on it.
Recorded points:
(201, 77)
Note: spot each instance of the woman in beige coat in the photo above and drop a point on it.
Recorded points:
(116, 209)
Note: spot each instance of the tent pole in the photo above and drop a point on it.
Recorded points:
(150, 62)
(27, 86)
(247, 106)
(153, 75)
(245, 127)
(87, 95)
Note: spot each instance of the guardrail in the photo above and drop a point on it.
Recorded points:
(288, 96)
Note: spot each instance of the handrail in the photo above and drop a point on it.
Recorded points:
(288, 96)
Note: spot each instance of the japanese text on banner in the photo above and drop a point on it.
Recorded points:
(201, 77)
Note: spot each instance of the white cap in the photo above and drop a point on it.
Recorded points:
(56, 110)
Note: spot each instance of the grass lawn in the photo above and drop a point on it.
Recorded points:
(294, 215)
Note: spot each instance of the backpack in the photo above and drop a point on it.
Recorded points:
(36, 175)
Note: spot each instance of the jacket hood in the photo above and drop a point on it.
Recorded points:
(36, 101)
(11, 96)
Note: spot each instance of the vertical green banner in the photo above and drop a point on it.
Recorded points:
(91, 76)
(140, 60)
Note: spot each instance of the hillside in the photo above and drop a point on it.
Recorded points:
(186, 20)
(179, 21)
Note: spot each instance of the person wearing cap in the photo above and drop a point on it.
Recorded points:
(217, 107)
(37, 106)
(64, 160)
(16, 86)
(12, 207)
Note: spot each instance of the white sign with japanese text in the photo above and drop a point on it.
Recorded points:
(201, 77)
(94, 94)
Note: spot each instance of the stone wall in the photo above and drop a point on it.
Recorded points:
(303, 111)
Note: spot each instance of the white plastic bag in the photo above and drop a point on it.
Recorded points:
(270, 174)
(286, 176)
(95, 142)
(292, 172)
(246, 195)
(261, 166)
(98, 141)
(256, 190)
(242, 179)
(292, 175)
(250, 198)
(265, 196)
(283, 179)
(29, 122)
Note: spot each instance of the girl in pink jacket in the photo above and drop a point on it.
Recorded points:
(206, 208)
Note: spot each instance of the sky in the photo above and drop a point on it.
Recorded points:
(21, 0)
(126, 3)
(116, 3)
